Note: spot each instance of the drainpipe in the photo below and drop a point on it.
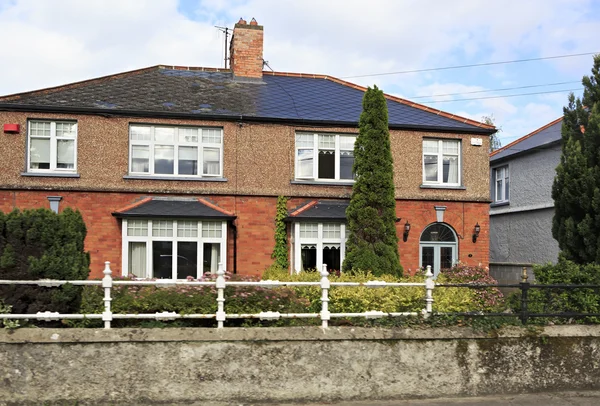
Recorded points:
(234, 231)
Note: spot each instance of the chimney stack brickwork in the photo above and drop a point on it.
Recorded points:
(247, 49)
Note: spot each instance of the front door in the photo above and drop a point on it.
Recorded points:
(438, 247)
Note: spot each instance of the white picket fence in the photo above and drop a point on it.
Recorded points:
(220, 283)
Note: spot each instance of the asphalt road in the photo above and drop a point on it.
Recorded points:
(591, 398)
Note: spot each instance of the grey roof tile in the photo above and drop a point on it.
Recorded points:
(548, 134)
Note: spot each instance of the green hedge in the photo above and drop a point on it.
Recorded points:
(40, 244)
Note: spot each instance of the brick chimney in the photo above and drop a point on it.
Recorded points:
(246, 50)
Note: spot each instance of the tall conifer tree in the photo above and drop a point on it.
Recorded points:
(576, 189)
(373, 242)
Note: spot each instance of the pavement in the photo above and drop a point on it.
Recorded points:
(583, 398)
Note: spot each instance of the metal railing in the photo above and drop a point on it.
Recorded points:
(220, 284)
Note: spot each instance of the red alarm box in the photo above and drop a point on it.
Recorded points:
(12, 128)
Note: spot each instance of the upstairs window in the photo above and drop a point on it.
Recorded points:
(500, 184)
(441, 162)
(325, 157)
(176, 151)
(52, 146)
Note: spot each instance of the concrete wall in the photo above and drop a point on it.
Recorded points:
(136, 366)
(521, 232)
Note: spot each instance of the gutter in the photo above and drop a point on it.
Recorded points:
(235, 118)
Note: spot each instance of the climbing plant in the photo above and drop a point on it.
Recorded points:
(280, 252)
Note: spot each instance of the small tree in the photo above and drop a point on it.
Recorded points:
(373, 242)
(576, 189)
(495, 142)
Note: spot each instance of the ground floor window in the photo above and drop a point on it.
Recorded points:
(439, 247)
(173, 249)
(316, 244)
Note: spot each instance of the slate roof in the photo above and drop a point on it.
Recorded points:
(168, 92)
(319, 210)
(548, 134)
(174, 208)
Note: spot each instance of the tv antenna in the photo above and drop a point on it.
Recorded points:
(227, 33)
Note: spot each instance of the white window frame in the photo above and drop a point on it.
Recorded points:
(319, 241)
(437, 249)
(175, 144)
(505, 176)
(315, 148)
(53, 146)
(148, 239)
(440, 162)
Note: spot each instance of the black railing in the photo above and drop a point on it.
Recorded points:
(524, 314)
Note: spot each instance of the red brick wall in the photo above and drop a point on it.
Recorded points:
(255, 224)
(247, 51)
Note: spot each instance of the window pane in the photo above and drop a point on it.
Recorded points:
(450, 147)
(39, 128)
(347, 142)
(309, 230)
(164, 134)
(187, 254)
(187, 228)
(65, 154)
(212, 159)
(137, 259)
(331, 257)
(499, 196)
(305, 163)
(39, 151)
(430, 146)
(188, 135)
(346, 164)
(137, 228)
(162, 259)
(188, 161)
(140, 133)
(326, 164)
(140, 158)
(305, 141)
(163, 159)
(211, 136)
(212, 229)
(308, 256)
(327, 141)
(331, 230)
(431, 168)
(65, 130)
(450, 169)
(446, 257)
(162, 228)
(212, 257)
(427, 257)
(506, 194)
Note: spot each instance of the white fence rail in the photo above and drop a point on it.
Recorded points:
(220, 284)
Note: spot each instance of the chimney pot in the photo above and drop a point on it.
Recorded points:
(242, 21)
(253, 21)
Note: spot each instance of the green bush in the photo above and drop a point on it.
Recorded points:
(40, 244)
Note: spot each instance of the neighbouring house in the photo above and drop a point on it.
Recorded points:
(521, 178)
(176, 169)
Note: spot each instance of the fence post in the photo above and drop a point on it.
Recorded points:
(325, 284)
(220, 285)
(107, 283)
(524, 296)
(429, 285)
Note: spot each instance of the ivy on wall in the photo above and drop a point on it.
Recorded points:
(280, 252)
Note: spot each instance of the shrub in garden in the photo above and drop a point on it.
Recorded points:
(40, 244)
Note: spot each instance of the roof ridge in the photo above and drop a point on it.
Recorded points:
(523, 138)
(387, 96)
(52, 89)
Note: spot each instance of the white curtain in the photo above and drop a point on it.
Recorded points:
(452, 170)
(215, 257)
(137, 259)
(212, 160)
(39, 152)
(65, 154)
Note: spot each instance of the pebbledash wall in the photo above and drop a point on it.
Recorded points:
(94, 367)
(258, 166)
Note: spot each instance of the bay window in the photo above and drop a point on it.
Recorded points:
(441, 162)
(176, 151)
(173, 249)
(52, 146)
(325, 157)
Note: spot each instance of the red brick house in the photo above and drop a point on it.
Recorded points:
(178, 168)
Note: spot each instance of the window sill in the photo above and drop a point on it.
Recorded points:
(320, 183)
(181, 178)
(499, 204)
(50, 174)
(432, 186)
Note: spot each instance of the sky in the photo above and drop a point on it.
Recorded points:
(52, 42)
